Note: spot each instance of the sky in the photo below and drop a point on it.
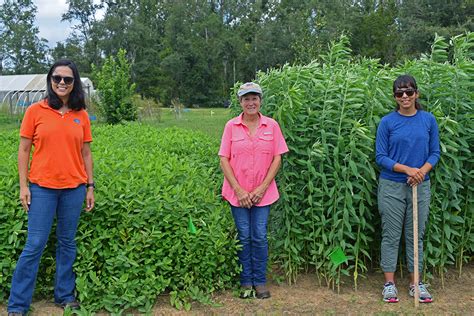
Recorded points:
(48, 20)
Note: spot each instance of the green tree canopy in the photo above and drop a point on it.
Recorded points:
(21, 50)
(196, 50)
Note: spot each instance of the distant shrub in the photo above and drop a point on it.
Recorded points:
(115, 90)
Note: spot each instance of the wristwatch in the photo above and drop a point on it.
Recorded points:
(90, 185)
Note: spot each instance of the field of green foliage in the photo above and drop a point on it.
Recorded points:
(151, 181)
(136, 243)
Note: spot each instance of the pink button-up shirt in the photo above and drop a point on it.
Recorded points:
(251, 156)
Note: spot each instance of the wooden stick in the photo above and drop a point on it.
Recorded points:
(415, 245)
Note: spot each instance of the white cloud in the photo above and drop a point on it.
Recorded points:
(48, 20)
(50, 8)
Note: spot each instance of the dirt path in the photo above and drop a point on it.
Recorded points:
(306, 297)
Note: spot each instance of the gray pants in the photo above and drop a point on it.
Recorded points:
(396, 211)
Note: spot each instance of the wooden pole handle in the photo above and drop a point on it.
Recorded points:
(416, 277)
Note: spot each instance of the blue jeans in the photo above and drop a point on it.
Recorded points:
(252, 233)
(46, 204)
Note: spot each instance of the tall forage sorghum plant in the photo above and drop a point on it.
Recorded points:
(329, 112)
(448, 93)
(463, 61)
(328, 179)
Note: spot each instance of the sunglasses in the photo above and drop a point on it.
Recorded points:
(67, 80)
(408, 92)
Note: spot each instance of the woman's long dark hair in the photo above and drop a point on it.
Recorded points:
(76, 98)
(406, 81)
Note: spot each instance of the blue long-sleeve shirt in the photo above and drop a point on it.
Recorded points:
(408, 140)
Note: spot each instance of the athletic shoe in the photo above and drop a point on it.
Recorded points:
(425, 296)
(390, 293)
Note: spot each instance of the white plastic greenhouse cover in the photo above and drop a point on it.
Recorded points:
(22, 82)
(20, 91)
(30, 82)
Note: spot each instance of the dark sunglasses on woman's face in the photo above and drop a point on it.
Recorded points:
(408, 92)
(67, 80)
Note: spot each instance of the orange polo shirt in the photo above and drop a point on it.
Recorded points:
(57, 161)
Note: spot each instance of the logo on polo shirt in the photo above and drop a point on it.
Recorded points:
(78, 121)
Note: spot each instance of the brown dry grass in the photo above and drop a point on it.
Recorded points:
(306, 297)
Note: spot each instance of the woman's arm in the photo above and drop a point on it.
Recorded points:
(415, 175)
(382, 157)
(257, 194)
(24, 151)
(87, 157)
(242, 195)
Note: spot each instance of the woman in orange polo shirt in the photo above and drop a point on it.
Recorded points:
(58, 181)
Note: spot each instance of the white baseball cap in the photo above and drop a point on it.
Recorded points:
(249, 87)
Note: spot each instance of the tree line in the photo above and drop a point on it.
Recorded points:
(196, 50)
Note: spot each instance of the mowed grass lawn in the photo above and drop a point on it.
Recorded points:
(8, 122)
(210, 121)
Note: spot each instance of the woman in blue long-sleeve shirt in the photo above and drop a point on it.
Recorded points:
(407, 148)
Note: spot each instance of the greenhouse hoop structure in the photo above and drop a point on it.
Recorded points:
(17, 92)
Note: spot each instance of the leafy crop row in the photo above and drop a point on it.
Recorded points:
(136, 244)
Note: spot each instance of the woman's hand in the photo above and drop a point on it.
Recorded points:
(244, 198)
(415, 176)
(90, 200)
(257, 194)
(25, 197)
(242, 195)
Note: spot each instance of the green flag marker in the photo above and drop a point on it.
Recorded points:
(337, 256)
(191, 227)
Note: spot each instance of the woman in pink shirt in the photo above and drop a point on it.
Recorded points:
(250, 155)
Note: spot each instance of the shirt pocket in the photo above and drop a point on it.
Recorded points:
(265, 149)
(237, 145)
(265, 143)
